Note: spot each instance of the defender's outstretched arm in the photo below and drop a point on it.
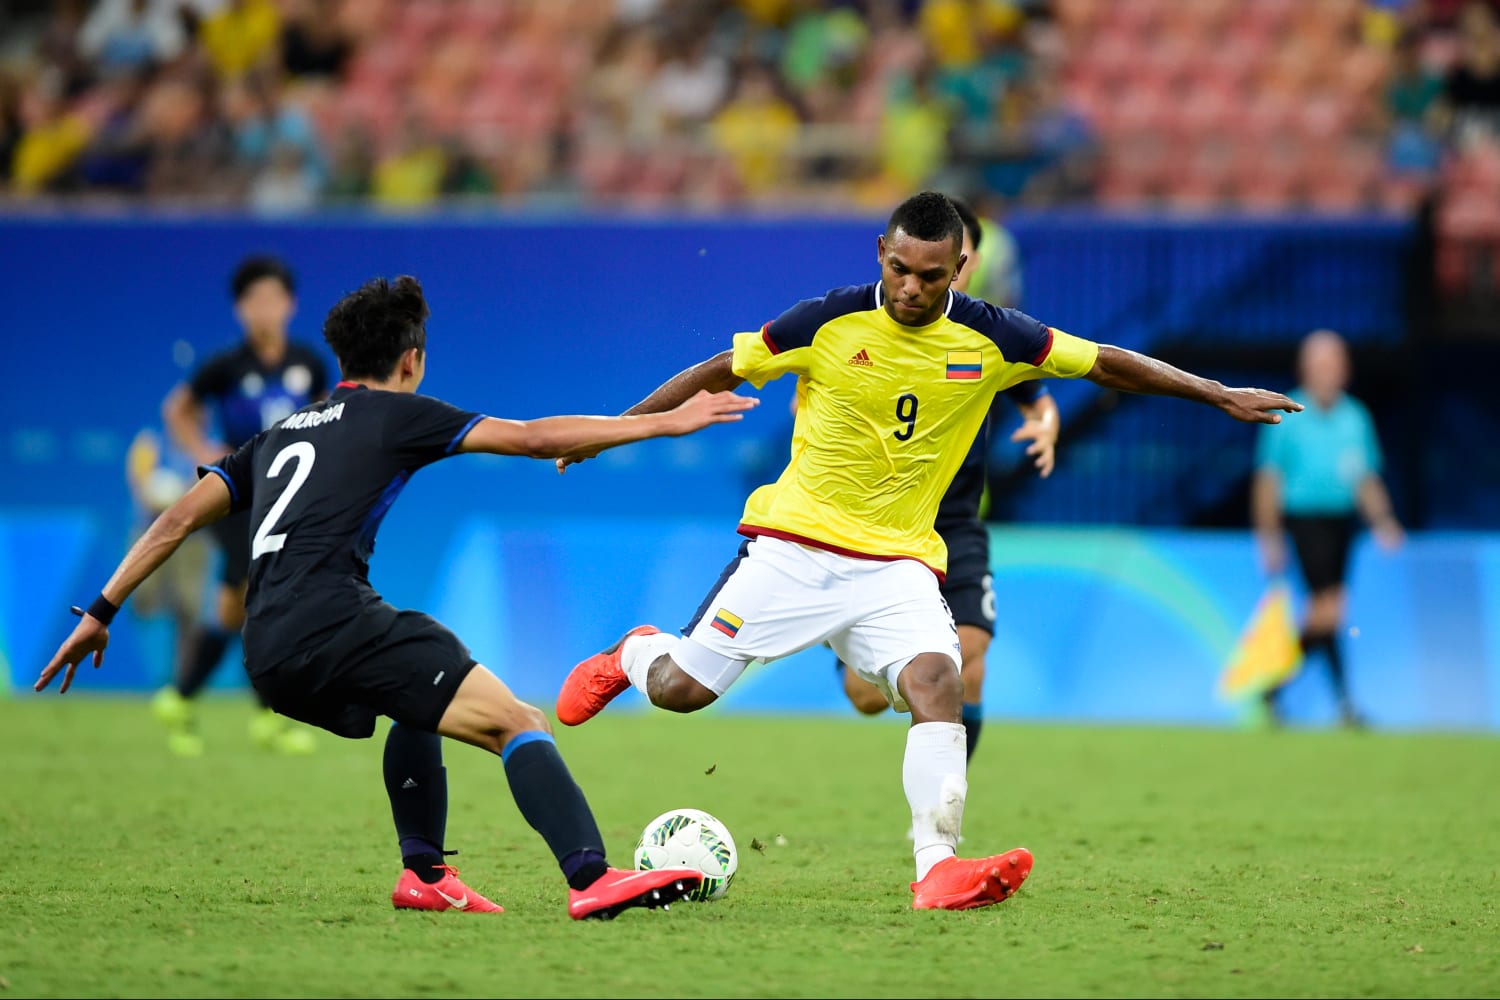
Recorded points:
(716, 375)
(205, 503)
(571, 439)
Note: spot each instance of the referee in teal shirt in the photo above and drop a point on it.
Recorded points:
(1313, 476)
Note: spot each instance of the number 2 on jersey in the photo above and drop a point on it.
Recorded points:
(303, 453)
(906, 412)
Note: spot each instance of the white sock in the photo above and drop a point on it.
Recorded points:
(640, 651)
(933, 774)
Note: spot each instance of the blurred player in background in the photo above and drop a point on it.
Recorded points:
(247, 389)
(323, 647)
(968, 587)
(898, 379)
(1312, 476)
(158, 476)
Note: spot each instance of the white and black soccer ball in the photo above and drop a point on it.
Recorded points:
(690, 838)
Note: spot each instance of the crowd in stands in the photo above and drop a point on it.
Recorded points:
(283, 105)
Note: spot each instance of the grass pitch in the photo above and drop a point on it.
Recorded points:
(1169, 862)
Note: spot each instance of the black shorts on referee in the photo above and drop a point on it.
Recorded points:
(1322, 543)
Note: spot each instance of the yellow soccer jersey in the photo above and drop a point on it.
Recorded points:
(887, 413)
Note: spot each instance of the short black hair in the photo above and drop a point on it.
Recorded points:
(928, 216)
(370, 328)
(971, 221)
(253, 269)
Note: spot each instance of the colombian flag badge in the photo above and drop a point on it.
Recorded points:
(727, 623)
(964, 364)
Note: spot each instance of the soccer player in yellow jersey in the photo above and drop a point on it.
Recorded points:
(898, 376)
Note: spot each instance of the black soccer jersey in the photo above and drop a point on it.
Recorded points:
(318, 484)
(250, 396)
(960, 505)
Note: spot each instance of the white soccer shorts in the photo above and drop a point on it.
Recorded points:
(782, 597)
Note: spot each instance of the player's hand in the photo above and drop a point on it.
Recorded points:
(1042, 433)
(706, 408)
(1256, 406)
(90, 636)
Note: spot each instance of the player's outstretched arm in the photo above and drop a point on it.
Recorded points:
(1117, 368)
(205, 503)
(571, 439)
(715, 375)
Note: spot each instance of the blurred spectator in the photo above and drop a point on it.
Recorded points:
(1413, 103)
(757, 129)
(465, 175)
(54, 137)
(57, 49)
(241, 36)
(261, 119)
(690, 87)
(313, 43)
(11, 126)
(118, 155)
(353, 165)
(287, 184)
(411, 174)
(122, 36)
(914, 131)
(823, 44)
(191, 149)
(955, 30)
(1472, 89)
(619, 91)
(1414, 90)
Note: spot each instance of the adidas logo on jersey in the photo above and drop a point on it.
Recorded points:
(862, 359)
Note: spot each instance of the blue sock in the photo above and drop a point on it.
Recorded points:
(554, 805)
(417, 784)
(973, 722)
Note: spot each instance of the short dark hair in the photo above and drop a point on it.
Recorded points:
(971, 221)
(253, 269)
(928, 216)
(370, 328)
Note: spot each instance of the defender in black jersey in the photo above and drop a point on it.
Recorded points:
(968, 588)
(323, 647)
(246, 389)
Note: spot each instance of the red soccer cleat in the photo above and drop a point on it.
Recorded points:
(617, 890)
(595, 682)
(962, 884)
(447, 893)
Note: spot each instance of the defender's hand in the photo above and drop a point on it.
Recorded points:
(706, 408)
(1043, 437)
(89, 636)
(1256, 406)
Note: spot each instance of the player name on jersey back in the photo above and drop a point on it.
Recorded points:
(313, 418)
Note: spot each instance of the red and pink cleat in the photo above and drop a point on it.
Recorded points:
(447, 893)
(963, 884)
(595, 682)
(616, 891)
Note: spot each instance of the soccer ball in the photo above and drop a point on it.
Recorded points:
(690, 838)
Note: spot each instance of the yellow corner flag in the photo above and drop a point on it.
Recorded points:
(1268, 652)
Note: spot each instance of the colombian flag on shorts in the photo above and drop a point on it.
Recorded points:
(964, 364)
(727, 623)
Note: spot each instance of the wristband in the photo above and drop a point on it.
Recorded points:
(103, 610)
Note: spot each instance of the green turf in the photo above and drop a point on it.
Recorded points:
(1169, 862)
